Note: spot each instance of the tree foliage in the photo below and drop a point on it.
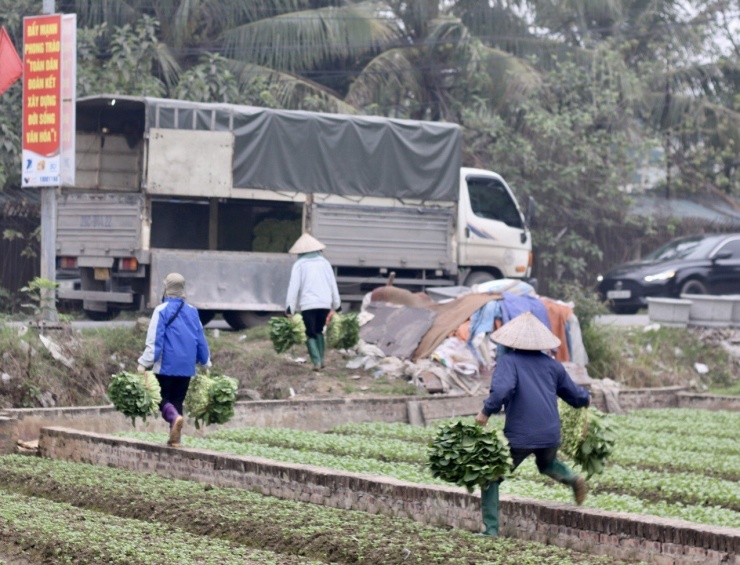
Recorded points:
(563, 98)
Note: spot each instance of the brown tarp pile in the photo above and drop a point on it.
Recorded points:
(396, 329)
(449, 317)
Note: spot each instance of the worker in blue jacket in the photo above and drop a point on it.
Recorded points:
(175, 341)
(527, 383)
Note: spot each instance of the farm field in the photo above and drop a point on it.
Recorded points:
(674, 463)
(60, 512)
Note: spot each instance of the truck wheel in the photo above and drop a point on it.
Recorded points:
(239, 320)
(478, 277)
(206, 316)
(98, 316)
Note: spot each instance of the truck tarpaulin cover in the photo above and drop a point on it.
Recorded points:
(296, 151)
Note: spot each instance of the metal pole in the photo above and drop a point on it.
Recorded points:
(48, 234)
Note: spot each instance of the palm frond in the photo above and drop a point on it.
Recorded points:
(391, 74)
(311, 38)
(289, 90)
(168, 64)
(508, 78)
(182, 22)
(449, 31)
(113, 12)
(490, 23)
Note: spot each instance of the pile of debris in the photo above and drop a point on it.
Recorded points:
(444, 345)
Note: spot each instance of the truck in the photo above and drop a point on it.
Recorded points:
(219, 192)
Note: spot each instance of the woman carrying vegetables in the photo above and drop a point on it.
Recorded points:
(175, 341)
(527, 383)
(313, 292)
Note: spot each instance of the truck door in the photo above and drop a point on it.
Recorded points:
(491, 230)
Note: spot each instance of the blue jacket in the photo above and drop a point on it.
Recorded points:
(173, 350)
(528, 384)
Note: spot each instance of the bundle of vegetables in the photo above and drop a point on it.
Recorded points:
(275, 235)
(135, 395)
(287, 332)
(468, 455)
(210, 399)
(342, 331)
(587, 436)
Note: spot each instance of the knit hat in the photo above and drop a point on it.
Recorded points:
(306, 244)
(526, 332)
(174, 285)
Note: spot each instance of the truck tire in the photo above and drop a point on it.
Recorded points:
(478, 277)
(239, 320)
(206, 316)
(98, 316)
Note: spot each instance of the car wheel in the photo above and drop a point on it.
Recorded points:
(107, 315)
(694, 286)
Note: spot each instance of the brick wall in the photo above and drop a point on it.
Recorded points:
(642, 398)
(318, 414)
(708, 401)
(624, 536)
(8, 434)
(324, 414)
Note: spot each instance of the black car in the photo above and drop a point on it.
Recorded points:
(702, 264)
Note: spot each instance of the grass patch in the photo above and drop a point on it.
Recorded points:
(662, 357)
(731, 390)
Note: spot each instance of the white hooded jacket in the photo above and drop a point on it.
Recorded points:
(312, 285)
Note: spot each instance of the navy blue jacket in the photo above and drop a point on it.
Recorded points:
(528, 384)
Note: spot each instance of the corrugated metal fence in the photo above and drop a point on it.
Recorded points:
(19, 256)
(16, 267)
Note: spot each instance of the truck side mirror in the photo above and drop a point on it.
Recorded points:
(531, 211)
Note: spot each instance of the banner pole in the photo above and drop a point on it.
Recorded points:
(48, 265)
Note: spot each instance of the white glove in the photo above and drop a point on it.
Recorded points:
(141, 369)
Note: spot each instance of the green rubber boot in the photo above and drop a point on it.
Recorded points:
(313, 352)
(322, 347)
(489, 508)
(565, 475)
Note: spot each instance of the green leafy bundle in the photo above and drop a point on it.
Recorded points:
(343, 331)
(135, 395)
(287, 332)
(210, 399)
(587, 436)
(468, 455)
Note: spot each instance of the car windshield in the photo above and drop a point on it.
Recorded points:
(693, 248)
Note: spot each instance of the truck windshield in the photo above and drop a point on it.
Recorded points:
(489, 199)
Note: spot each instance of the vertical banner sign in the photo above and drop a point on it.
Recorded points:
(42, 54)
(69, 95)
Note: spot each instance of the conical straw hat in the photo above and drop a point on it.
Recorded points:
(306, 244)
(526, 332)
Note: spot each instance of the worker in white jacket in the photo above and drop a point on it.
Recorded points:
(313, 292)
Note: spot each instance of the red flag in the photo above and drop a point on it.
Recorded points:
(11, 66)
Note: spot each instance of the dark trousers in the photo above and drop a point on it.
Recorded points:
(174, 390)
(314, 320)
(543, 457)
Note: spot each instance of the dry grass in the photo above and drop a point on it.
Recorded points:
(31, 377)
(662, 357)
